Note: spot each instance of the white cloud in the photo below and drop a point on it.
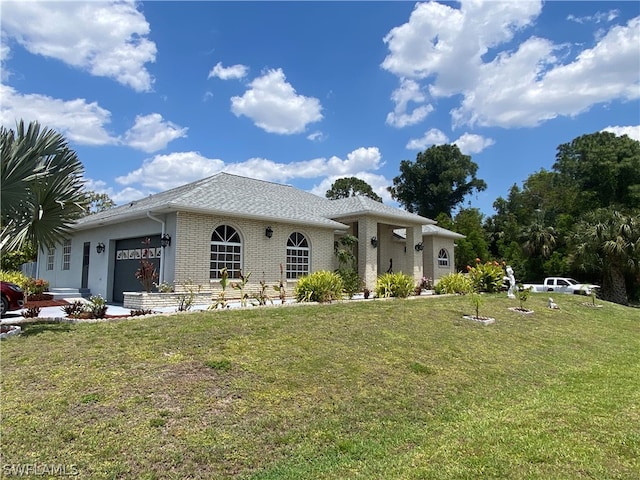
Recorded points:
(152, 133)
(5, 54)
(431, 137)
(632, 131)
(470, 52)
(107, 39)
(228, 73)
(316, 137)
(361, 159)
(125, 195)
(79, 121)
(528, 87)
(163, 172)
(470, 143)
(273, 105)
(436, 41)
(408, 91)
(598, 17)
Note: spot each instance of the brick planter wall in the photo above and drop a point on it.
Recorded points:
(149, 301)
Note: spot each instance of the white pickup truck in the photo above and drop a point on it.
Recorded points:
(562, 285)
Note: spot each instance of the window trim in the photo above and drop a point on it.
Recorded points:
(443, 260)
(51, 257)
(296, 249)
(66, 254)
(229, 249)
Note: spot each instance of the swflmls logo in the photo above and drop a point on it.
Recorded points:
(39, 469)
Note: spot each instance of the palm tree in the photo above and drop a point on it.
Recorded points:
(608, 242)
(42, 187)
(539, 240)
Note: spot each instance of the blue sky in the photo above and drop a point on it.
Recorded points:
(153, 95)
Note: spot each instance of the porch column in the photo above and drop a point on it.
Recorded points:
(415, 259)
(367, 255)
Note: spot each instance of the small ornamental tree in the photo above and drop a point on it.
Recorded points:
(147, 273)
(522, 294)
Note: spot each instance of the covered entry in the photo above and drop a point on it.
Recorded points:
(128, 253)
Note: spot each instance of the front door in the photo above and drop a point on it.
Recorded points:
(85, 265)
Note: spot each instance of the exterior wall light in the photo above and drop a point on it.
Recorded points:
(100, 247)
(165, 240)
(419, 247)
(374, 242)
(269, 232)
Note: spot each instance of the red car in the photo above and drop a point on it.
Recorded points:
(12, 298)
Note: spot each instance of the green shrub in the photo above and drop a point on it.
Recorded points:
(97, 306)
(351, 281)
(454, 283)
(13, 276)
(486, 277)
(322, 286)
(394, 285)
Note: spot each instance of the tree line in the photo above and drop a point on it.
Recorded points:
(581, 218)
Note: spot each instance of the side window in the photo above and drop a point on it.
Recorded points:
(66, 255)
(51, 255)
(297, 256)
(226, 252)
(563, 283)
(443, 258)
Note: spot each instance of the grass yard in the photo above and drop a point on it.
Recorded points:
(401, 389)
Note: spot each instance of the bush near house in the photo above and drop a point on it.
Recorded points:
(486, 277)
(321, 286)
(454, 283)
(398, 285)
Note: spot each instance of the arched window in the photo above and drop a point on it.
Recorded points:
(226, 252)
(443, 258)
(297, 256)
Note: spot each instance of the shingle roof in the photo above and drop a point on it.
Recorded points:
(227, 194)
(361, 205)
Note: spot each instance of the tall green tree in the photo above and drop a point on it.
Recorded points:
(42, 187)
(607, 241)
(349, 187)
(603, 168)
(437, 181)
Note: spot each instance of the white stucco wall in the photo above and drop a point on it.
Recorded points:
(101, 266)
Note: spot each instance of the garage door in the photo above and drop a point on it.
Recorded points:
(128, 254)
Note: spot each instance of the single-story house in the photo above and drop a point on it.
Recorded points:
(270, 230)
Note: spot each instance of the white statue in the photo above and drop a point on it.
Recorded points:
(553, 305)
(512, 282)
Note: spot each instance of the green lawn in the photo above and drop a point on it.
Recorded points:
(401, 389)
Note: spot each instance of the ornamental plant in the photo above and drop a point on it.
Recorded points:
(486, 277)
(321, 286)
(477, 301)
(522, 294)
(221, 301)
(244, 279)
(394, 285)
(147, 273)
(457, 283)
